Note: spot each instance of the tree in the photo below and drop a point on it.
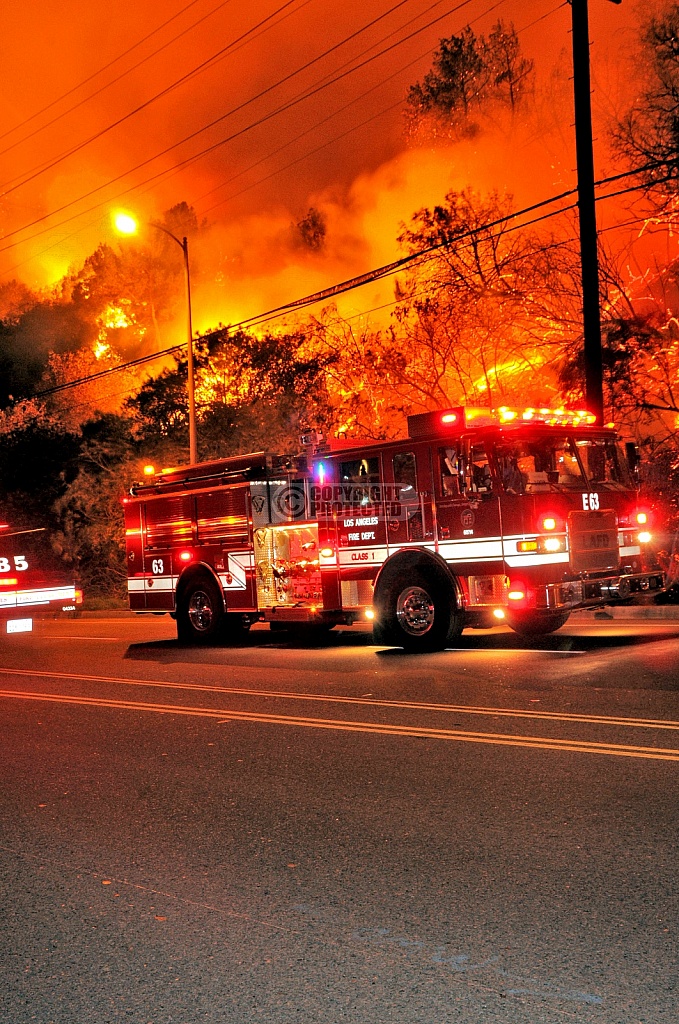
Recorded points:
(38, 460)
(91, 530)
(485, 316)
(468, 72)
(648, 135)
(249, 390)
(28, 338)
(311, 230)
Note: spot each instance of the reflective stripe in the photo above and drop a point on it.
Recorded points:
(42, 595)
(472, 550)
(151, 584)
(518, 561)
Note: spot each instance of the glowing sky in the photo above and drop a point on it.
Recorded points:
(353, 164)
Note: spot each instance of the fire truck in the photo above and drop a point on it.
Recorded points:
(479, 517)
(33, 583)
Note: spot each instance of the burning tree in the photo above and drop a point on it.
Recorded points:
(486, 305)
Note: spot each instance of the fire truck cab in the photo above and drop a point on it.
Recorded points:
(478, 517)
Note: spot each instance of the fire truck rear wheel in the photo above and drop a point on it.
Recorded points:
(533, 624)
(418, 615)
(200, 612)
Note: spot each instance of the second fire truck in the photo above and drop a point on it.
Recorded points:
(478, 517)
(33, 582)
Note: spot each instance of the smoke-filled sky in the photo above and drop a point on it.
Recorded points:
(135, 92)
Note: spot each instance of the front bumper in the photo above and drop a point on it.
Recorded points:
(591, 591)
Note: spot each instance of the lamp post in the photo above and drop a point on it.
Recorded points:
(127, 225)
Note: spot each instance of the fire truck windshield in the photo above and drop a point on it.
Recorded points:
(604, 463)
(561, 464)
(540, 464)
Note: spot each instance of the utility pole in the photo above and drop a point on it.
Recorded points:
(591, 316)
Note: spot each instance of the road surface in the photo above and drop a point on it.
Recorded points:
(284, 833)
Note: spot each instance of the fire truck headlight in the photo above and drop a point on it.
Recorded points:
(644, 537)
(369, 614)
(499, 613)
(552, 544)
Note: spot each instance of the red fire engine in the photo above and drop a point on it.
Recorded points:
(479, 516)
(32, 583)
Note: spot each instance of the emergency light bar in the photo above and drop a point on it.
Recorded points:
(425, 424)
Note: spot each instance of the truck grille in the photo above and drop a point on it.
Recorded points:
(593, 541)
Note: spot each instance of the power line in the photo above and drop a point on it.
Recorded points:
(172, 171)
(100, 71)
(142, 106)
(329, 117)
(357, 282)
(300, 97)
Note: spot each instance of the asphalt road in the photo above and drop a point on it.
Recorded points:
(288, 833)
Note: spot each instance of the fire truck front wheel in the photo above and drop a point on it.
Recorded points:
(417, 615)
(200, 612)
(534, 624)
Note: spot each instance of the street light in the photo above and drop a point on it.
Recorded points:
(127, 225)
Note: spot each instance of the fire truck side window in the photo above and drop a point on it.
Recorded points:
(405, 474)
(360, 471)
(452, 473)
(480, 478)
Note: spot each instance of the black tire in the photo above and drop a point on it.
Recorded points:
(200, 612)
(417, 614)
(535, 624)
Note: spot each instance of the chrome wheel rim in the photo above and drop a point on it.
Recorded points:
(415, 611)
(200, 611)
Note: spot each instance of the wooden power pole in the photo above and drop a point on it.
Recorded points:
(591, 315)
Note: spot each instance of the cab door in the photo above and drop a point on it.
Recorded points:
(468, 507)
(408, 498)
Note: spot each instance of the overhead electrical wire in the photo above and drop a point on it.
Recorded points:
(99, 71)
(31, 176)
(172, 171)
(196, 156)
(329, 117)
(359, 281)
(113, 81)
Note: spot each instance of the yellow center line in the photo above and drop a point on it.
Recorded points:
(457, 709)
(419, 732)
